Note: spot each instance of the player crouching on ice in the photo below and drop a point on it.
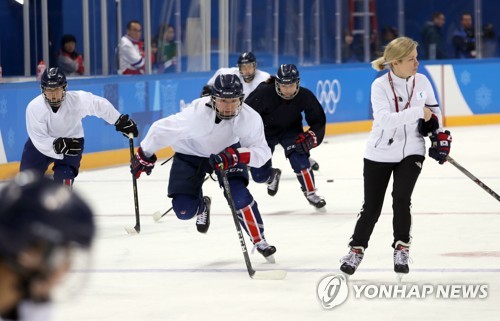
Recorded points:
(213, 130)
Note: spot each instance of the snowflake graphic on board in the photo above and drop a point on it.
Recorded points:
(465, 77)
(483, 96)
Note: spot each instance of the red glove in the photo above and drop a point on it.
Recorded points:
(305, 142)
(440, 148)
(140, 163)
(228, 158)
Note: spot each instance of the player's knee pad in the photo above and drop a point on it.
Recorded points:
(185, 206)
(261, 175)
(240, 193)
(299, 161)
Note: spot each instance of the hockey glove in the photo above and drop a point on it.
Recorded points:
(305, 142)
(440, 148)
(126, 125)
(229, 157)
(428, 127)
(67, 146)
(140, 163)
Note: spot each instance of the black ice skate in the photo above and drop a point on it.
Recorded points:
(266, 250)
(351, 261)
(203, 219)
(273, 184)
(315, 200)
(314, 164)
(401, 258)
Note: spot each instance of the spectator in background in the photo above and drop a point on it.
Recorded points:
(130, 50)
(432, 38)
(167, 49)
(489, 41)
(464, 40)
(69, 61)
(351, 50)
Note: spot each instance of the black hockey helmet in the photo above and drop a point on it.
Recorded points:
(53, 78)
(36, 212)
(247, 58)
(227, 86)
(287, 74)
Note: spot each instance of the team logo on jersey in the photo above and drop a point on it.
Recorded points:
(328, 94)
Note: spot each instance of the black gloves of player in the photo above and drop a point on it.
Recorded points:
(440, 148)
(305, 142)
(67, 146)
(428, 127)
(228, 158)
(140, 163)
(126, 125)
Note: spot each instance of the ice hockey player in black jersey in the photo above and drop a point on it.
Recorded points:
(281, 102)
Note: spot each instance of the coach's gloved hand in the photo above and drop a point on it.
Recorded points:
(305, 142)
(140, 163)
(67, 146)
(428, 127)
(126, 125)
(440, 148)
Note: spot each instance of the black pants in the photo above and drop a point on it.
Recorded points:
(376, 178)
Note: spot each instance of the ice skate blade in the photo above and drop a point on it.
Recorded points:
(270, 259)
(321, 209)
(269, 275)
(399, 276)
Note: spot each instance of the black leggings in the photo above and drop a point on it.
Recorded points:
(376, 178)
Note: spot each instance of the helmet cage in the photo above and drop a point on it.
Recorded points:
(227, 86)
(53, 78)
(287, 74)
(244, 59)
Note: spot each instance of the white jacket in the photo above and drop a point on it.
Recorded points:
(394, 135)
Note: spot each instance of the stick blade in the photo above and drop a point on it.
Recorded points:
(132, 230)
(157, 216)
(269, 275)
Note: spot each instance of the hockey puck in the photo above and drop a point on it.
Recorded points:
(329, 180)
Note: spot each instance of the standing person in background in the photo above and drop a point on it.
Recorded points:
(130, 50)
(216, 130)
(405, 110)
(69, 61)
(43, 226)
(432, 38)
(167, 49)
(280, 101)
(54, 124)
(464, 39)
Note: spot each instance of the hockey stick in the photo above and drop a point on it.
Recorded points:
(473, 178)
(258, 275)
(157, 216)
(166, 160)
(137, 227)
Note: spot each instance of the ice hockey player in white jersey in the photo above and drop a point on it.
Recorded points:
(212, 130)
(43, 226)
(246, 70)
(54, 125)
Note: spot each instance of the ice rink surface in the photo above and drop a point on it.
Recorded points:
(171, 272)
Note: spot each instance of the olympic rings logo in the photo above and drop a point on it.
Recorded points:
(328, 93)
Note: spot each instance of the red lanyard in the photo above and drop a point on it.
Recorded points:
(394, 92)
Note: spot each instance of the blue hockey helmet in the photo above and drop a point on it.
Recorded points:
(245, 58)
(287, 74)
(227, 86)
(38, 213)
(53, 78)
